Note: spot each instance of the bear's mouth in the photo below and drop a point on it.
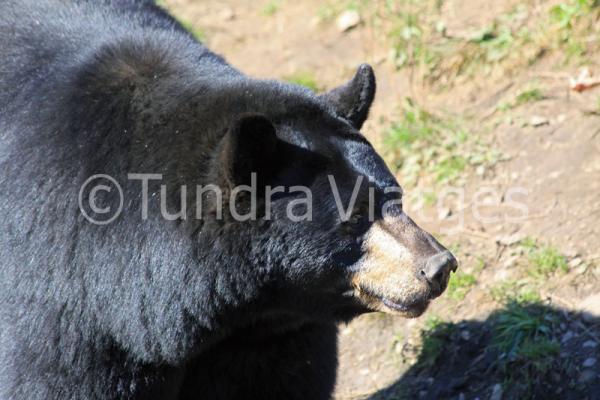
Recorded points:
(387, 304)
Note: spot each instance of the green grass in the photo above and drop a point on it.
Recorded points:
(517, 345)
(434, 336)
(574, 19)
(423, 145)
(520, 292)
(304, 78)
(329, 10)
(527, 96)
(459, 285)
(523, 334)
(544, 259)
(198, 33)
(271, 7)
(417, 37)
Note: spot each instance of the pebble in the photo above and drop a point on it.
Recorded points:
(589, 362)
(590, 307)
(227, 14)
(496, 392)
(444, 213)
(347, 20)
(586, 376)
(567, 336)
(576, 262)
(537, 120)
(509, 240)
(508, 263)
(590, 343)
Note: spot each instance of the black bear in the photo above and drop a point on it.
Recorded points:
(187, 291)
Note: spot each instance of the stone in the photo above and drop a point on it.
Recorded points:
(347, 20)
(587, 376)
(590, 307)
(537, 120)
(567, 336)
(589, 362)
(496, 392)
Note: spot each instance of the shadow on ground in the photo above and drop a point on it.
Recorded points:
(521, 351)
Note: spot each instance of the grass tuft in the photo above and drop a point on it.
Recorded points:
(459, 285)
(523, 335)
(198, 33)
(421, 145)
(271, 8)
(304, 78)
(544, 260)
(434, 336)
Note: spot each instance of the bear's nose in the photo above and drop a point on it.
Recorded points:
(438, 267)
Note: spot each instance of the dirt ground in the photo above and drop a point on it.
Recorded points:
(548, 145)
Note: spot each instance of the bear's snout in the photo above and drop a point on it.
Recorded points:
(402, 269)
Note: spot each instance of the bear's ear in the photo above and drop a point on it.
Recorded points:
(249, 146)
(352, 100)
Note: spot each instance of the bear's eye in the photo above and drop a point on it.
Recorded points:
(356, 223)
(355, 219)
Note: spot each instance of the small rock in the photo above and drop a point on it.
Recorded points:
(347, 20)
(561, 118)
(466, 335)
(567, 336)
(581, 269)
(590, 307)
(480, 170)
(571, 253)
(587, 376)
(537, 120)
(227, 14)
(422, 394)
(555, 174)
(556, 377)
(364, 371)
(510, 262)
(589, 362)
(398, 347)
(444, 213)
(590, 343)
(496, 392)
(509, 240)
(576, 262)
(461, 396)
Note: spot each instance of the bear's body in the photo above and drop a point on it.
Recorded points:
(151, 308)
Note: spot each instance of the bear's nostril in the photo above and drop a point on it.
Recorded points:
(438, 266)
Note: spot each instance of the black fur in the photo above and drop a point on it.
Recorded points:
(184, 309)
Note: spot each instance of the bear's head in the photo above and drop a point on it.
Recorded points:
(330, 238)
